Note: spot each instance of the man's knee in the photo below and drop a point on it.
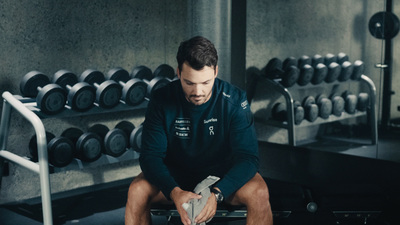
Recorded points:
(253, 192)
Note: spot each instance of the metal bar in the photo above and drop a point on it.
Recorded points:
(372, 113)
(289, 104)
(42, 154)
(4, 125)
(20, 160)
(387, 76)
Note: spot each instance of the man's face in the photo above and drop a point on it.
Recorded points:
(197, 84)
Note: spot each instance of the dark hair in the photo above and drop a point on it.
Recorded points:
(198, 52)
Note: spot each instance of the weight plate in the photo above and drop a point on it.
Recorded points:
(89, 147)
(337, 105)
(346, 71)
(125, 126)
(108, 94)
(325, 108)
(64, 78)
(333, 72)
(279, 111)
(51, 99)
(164, 70)
(156, 83)
(320, 73)
(290, 76)
(142, 72)
(304, 60)
(363, 101)
(342, 57)
(273, 69)
(60, 151)
(384, 25)
(330, 58)
(298, 114)
(316, 59)
(134, 92)
(288, 62)
(72, 134)
(135, 138)
(118, 74)
(81, 96)
(30, 83)
(92, 77)
(311, 112)
(308, 101)
(306, 74)
(33, 150)
(101, 130)
(358, 70)
(115, 142)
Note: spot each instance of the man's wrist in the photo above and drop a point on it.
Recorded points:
(218, 194)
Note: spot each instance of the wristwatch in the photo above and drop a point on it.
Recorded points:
(218, 195)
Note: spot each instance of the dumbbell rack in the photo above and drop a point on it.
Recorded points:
(27, 108)
(290, 125)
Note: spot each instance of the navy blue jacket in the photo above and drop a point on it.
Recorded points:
(183, 143)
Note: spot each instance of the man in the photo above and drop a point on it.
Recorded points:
(197, 126)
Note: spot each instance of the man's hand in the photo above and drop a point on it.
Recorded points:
(179, 197)
(208, 211)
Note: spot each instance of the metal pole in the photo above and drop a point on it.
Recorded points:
(387, 76)
(42, 152)
(212, 20)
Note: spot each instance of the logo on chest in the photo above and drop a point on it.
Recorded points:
(182, 128)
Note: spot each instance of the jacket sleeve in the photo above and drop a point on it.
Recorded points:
(154, 147)
(244, 145)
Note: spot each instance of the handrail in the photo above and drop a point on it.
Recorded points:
(43, 164)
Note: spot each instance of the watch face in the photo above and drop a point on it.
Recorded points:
(219, 197)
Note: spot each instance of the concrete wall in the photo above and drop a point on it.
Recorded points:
(51, 35)
(295, 28)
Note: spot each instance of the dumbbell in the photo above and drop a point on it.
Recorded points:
(334, 68)
(127, 127)
(320, 73)
(337, 104)
(87, 145)
(279, 112)
(358, 70)
(317, 59)
(153, 82)
(164, 70)
(50, 98)
(81, 95)
(60, 150)
(306, 70)
(346, 66)
(136, 138)
(133, 89)
(350, 102)
(324, 105)
(286, 72)
(114, 141)
(311, 110)
(108, 92)
(134, 134)
(362, 102)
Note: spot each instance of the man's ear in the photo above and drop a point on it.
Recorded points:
(216, 71)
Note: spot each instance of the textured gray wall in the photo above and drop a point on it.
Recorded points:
(63, 34)
(51, 35)
(295, 28)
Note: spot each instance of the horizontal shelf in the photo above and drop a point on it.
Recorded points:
(68, 112)
(319, 120)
